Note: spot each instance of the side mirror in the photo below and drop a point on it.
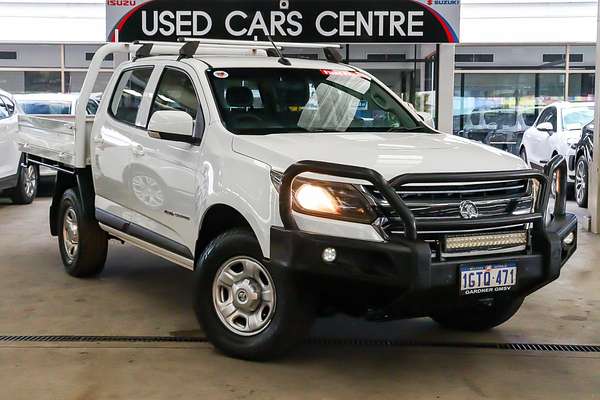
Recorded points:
(175, 126)
(546, 127)
(427, 119)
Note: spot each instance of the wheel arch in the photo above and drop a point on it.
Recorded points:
(218, 219)
(82, 182)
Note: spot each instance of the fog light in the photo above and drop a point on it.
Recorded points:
(486, 242)
(569, 239)
(329, 255)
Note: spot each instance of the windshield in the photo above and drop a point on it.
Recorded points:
(577, 117)
(34, 107)
(267, 101)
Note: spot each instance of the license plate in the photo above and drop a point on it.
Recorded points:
(487, 278)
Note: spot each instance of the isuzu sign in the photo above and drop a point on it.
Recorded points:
(345, 21)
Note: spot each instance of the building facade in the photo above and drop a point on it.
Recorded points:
(514, 57)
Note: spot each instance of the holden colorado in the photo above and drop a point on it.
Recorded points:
(292, 187)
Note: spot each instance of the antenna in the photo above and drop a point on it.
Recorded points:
(282, 59)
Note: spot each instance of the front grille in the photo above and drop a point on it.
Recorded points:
(493, 199)
(442, 202)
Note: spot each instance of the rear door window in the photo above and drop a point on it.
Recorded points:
(128, 95)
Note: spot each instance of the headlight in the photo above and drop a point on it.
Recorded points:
(331, 200)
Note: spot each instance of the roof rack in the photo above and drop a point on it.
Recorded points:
(189, 47)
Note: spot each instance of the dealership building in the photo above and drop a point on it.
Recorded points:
(513, 55)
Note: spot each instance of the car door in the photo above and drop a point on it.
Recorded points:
(162, 174)
(540, 148)
(9, 153)
(557, 141)
(548, 138)
(113, 148)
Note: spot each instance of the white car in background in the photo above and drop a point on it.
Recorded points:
(54, 103)
(19, 182)
(557, 130)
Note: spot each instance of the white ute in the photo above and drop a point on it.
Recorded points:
(291, 187)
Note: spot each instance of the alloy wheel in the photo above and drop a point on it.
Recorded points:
(30, 180)
(580, 181)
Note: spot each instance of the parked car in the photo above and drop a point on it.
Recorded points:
(18, 181)
(328, 193)
(581, 164)
(556, 131)
(502, 128)
(54, 103)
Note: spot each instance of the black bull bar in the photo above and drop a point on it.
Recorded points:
(553, 175)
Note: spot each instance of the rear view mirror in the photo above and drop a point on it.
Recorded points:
(546, 127)
(172, 125)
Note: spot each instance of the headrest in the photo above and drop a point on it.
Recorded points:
(239, 96)
(294, 94)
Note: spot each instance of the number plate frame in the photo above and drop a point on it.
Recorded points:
(500, 278)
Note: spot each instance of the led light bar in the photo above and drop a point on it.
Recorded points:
(486, 241)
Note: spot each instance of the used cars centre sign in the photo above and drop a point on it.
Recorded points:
(347, 21)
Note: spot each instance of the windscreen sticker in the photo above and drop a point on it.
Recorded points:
(221, 74)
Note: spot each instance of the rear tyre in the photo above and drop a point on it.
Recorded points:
(248, 308)
(27, 185)
(581, 182)
(83, 245)
(479, 317)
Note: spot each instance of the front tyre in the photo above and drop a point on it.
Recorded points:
(27, 185)
(479, 317)
(581, 182)
(248, 308)
(83, 245)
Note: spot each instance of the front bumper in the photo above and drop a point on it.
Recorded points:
(402, 269)
(407, 268)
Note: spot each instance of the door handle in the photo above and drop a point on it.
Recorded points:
(137, 150)
(98, 139)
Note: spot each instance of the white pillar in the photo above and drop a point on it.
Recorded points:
(594, 188)
(445, 88)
